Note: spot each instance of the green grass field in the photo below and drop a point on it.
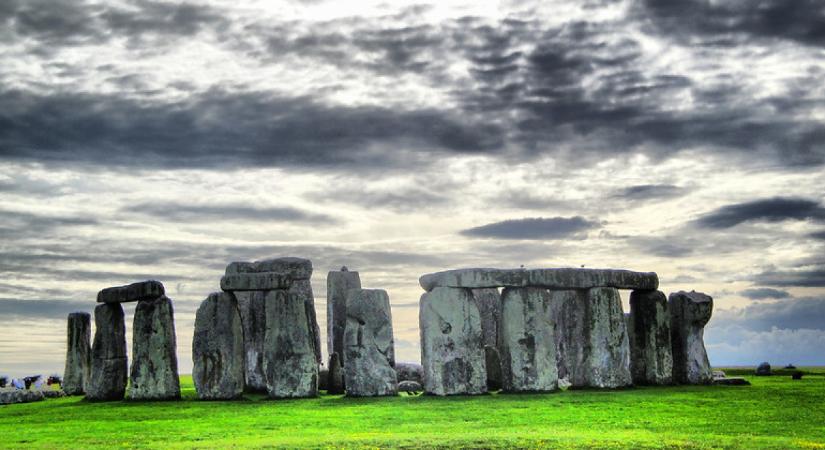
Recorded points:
(775, 412)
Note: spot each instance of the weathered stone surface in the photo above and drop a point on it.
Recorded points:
(488, 301)
(290, 366)
(689, 313)
(410, 387)
(78, 353)
(323, 379)
(763, 369)
(560, 278)
(143, 290)
(154, 371)
(452, 344)
(368, 345)
(527, 341)
(651, 357)
(11, 396)
(335, 383)
(718, 374)
(253, 317)
(591, 338)
(303, 290)
(263, 281)
(492, 361)
(107, 380)
(217, 348)
(291, 267)
(409, 371)
(338, 283)
(732, 381)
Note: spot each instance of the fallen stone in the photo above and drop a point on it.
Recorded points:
(718, 374)
(107, 380)
(52, 393)
(12, 396)
(368, 345)
(763, 369)
(218, 349)
(253, 317)
(154, 371)
(335, 383)
(410, 387)
(143, 290)
(452, 347)
(560, 278)
(409, 371)
(264, 281)
(303, 290)
(689, 313)
(290, 366)
(527, 341)
(291, 267)
(488, 302)
(651, 357)
(78, 353)
(492, 361)
(338, 283)
(732, 381)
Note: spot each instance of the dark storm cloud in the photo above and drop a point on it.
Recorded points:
(808, 313)
(805, 277)
(187, 212)
(397, 199)
(17, 224)
(41, 309)
(645, 192)
(769, 210)
(818, 235)
(534, 228)
(764, 294)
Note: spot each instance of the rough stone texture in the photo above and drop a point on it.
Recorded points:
(11, 396)
(527, 341)
(217, 349)
(409, 371)
(368, 345)
(253, 317)
(732, 381)
(488, 301)
(338, 283)
(763, 369)
(290, 366)
(107, 380)
(591, 338)
(562, 278)
(154, 372)
(689, 313)
(263, 281)
(651, 358)
(323, 379)
(303, 290)
(335, 383)
(78, 353)
(293, 268)
(452, 344)
(718, 374)
(143, 290)
(410, 387)
(492, 360)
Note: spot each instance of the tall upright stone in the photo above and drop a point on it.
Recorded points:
(154, 371)
(651, 357)
(369, 346)
(218, 349)
(78, 353)
(338, 283)
(107, 380)
(452, 343)
(488, 302)
(689, 313)
(527, 341)
(253, 317)
(290, 366)
(302, 289)
(591, 337)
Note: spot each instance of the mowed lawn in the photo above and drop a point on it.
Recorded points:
(776, 412)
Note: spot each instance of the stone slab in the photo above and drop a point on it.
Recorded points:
(262, 281)
(142, 290)
(553, 278)
(731, 381)
(291, 267)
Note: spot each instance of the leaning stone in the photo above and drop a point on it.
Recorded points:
(291, 267)
(154, 372)
(527, 341)
(264, 281)
(763, 369)
(488, 301)
(591, 338)
(732, 381)
(107, 380)
(253, 317)
(8, 397)
(144, 290)
(78, 353)
(452, 344)
(557, 278)
(217, 349)
(303, 290)
(409, 371)
(368, 343)
(410, 387)
(289, 350)
(338, 283)
(689, 313)
(651, 357)
(335, 383)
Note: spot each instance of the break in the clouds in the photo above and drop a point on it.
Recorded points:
(149, 139)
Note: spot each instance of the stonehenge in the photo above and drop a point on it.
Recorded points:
(648, 326)
(78, 353)
(290, 366)
(527, 341)
(368, 345)
(154, 371)
(251, 306)
(107, 379)
(689, 313)
(338, 283)
(218, 349)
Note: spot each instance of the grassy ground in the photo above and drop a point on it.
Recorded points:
(775, 412)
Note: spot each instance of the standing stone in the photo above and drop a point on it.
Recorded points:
(527, 341)
(78, 353)
(253, 317)
(335, 383)
(488, 301)
(338, 283)
(289, 349)
(154, 372)
(368, 341)
(109, 365)
(303, 290)
(689, 313)
(591, 338)
(651, 357)
(452, 344)
(492, 361)
(217, 349)
(763, 369)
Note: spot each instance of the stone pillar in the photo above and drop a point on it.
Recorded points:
(689, 313)
(651, 360)
(303, 290)
(338, 283)
(289, 350)
(78, 353)
(109, 365)
(218, 349)
(527, 341)
(368, 343)
(335, 384)
(154, 372)
(452, 344)
(253, 317)
(488, 301)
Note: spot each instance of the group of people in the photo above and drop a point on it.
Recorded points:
(27, 382)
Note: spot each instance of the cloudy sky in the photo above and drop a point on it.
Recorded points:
(147, 139)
